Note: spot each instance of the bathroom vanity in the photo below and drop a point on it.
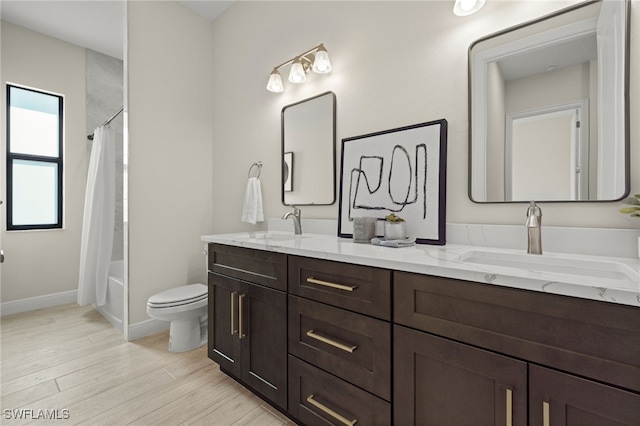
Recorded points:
(333, 332)
(248, 316)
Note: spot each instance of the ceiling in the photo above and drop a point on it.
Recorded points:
(578, 50)
(94, 24)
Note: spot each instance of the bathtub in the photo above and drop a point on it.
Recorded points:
(113, 309)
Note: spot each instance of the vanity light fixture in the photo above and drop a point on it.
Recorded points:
(322, 65)
(275, 82)
(297, 73)
(467, 7)
(316, 60)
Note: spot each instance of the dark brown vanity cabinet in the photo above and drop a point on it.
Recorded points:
(247, 320)
(442, 382)
(469, 353)
(339, 343)
(319, 340)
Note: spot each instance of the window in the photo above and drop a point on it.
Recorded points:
(34, 159)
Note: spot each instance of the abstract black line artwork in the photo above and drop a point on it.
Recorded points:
(401, 171)
(414, 184)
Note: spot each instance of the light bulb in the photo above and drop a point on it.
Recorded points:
(321, 64)
(467, 7)
(297, 74)
(275, 82)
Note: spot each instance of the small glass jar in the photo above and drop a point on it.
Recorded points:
(395, 230)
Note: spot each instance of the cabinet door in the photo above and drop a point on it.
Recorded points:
(561, 399)
(263, 333)
(442, 382)
(224, 345)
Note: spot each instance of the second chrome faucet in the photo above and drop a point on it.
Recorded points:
(534, 227)
(295, 215)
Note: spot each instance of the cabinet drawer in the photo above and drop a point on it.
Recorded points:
(585, 337)
(318, 398)
(355, 287)
(349, 345)
(261, 267)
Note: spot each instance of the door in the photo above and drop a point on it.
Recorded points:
(547, 153)
(442, 382)
(559, 399)
(224, 345)
(263, 333)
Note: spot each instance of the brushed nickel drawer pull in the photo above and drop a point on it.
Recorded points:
(330, 412)
(545, 413)
(332, 285)
(509, 407)
(331, 342)
(233, 314)
(240, 332)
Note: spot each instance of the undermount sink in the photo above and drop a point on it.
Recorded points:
(555, 264)
(280, 237)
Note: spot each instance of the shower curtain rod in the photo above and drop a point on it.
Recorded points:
(109, 120)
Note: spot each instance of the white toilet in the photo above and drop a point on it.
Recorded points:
(186, 308)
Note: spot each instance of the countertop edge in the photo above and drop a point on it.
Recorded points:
(441, 261)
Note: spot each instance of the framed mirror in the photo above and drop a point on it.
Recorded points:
(309, 151)
(549, 108)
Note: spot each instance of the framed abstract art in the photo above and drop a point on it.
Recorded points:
(400, 171)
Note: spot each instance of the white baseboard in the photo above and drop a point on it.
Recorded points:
(136, 331)
(38, 302)
(147, 328)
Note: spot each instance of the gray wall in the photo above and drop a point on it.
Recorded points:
(105, 96)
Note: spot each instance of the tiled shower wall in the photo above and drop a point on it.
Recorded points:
(105, 95)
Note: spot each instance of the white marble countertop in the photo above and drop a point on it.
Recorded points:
(609, 279)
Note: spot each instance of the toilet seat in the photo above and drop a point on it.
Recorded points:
(178, 296)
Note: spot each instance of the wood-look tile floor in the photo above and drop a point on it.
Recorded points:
(70, 359)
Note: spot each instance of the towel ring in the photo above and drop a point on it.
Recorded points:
(258, 165)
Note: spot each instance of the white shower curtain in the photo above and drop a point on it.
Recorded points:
(98, 221)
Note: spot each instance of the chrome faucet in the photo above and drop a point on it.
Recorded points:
(295, 215)
(534, 226)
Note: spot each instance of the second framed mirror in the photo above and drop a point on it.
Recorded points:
(309, 151)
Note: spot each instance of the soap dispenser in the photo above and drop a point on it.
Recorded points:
(534, 227)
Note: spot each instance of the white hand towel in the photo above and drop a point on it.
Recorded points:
(252, 208)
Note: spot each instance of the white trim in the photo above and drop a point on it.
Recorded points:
(147, 328)
(38, 302)
(612, 139)
(574, 30)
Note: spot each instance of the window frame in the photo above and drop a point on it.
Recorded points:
(11, 157)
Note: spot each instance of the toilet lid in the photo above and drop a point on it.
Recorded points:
(185, 293)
